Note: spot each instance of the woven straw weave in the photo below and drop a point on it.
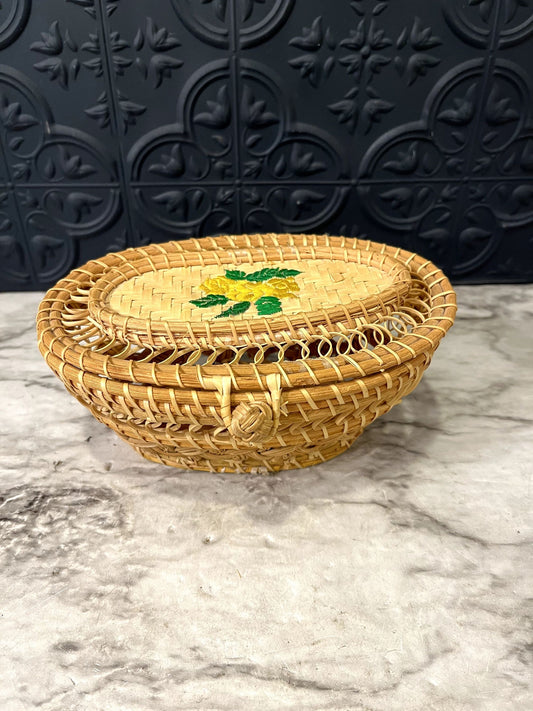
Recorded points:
(250, 392)
(167, 293)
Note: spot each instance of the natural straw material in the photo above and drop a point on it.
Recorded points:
(151, 300)
(245, 353)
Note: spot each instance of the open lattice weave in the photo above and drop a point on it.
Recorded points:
(323, 335)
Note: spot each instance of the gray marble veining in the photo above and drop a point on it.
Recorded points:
(397, 577)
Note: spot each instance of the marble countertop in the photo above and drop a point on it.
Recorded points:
(394, 578)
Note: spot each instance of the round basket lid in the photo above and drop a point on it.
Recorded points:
(244, 295)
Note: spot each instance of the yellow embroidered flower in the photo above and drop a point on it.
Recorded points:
(265, 288)
(243, 290)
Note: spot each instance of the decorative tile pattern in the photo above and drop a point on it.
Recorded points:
(125, 123)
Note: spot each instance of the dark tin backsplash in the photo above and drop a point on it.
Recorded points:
(131, 121)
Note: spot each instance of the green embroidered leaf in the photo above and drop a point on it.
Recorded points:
(210, 300)
(268, 305)
(271, 272)
(263, 274)
(238, 308)
(235, 274)
(288, 272)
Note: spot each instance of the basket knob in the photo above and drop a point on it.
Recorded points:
(250, 422)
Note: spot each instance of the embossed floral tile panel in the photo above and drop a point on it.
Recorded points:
(123, 123)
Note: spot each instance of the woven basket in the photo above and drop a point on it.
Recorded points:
(246, 353)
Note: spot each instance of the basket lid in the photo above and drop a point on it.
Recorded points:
(244, 295)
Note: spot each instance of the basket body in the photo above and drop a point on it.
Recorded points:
(162, 431)
(247, 402)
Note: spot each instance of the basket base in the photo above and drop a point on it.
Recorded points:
(244, 461)
(209, 455)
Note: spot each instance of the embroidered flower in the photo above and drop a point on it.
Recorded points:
(264, 288)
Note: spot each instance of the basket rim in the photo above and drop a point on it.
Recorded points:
(204, 396)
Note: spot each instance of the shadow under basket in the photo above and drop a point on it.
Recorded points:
(249, 353)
